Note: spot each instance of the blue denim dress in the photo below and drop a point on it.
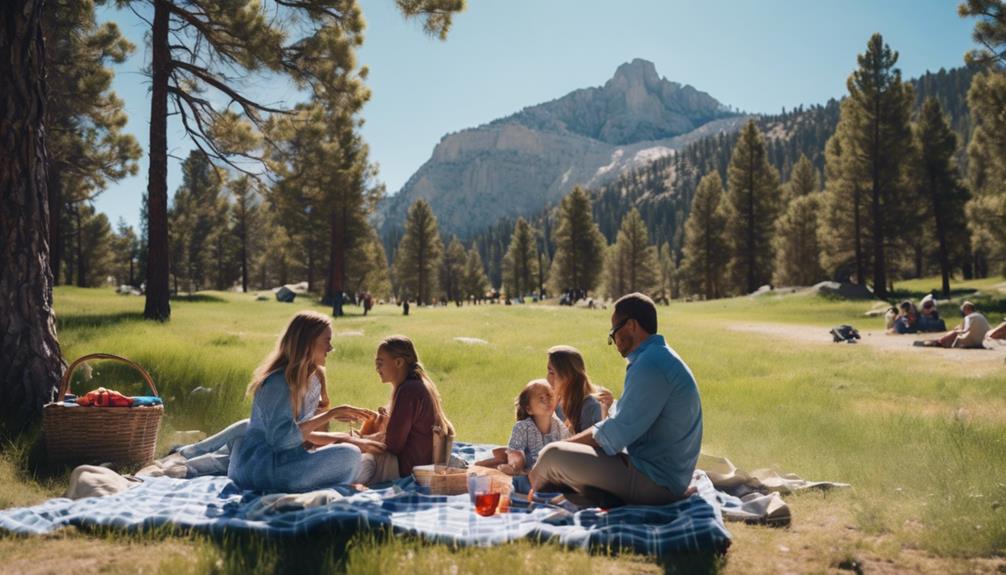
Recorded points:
(271, 456)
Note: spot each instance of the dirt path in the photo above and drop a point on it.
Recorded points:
(976, 362)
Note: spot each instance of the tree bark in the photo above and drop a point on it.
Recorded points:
(337, 266)
(81, 262)
(158, 304)
(55, 191)
(30, 361)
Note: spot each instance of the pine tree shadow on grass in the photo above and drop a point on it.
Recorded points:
(898, 295)
(91, 321)
(198, 298)
(331, 551)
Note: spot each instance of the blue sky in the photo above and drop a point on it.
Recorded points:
(503, 55)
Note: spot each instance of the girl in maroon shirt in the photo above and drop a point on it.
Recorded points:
(416, 413)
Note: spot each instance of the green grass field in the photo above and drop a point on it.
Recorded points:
(921, 438)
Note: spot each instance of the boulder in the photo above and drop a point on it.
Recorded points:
(843, 290)
(285, 294)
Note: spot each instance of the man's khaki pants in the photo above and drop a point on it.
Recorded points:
(587, 470)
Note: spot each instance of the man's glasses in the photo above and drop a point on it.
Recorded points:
(614, 330)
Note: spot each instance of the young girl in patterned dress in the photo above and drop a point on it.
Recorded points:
(536, 426)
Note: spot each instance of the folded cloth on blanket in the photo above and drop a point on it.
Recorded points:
(94, 481)
(726, 477)
(215, 505)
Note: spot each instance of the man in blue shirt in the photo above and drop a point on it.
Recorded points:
(645, 452)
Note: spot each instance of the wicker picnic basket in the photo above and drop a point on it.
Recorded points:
(117, 435)
(442, 480)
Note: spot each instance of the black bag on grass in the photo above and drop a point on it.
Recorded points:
(844, 333)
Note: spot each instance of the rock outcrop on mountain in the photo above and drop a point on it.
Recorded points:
(518, 164)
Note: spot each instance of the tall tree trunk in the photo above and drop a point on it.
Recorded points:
(941, 236)
(749, 254)
(81, 262)
(30, 361)
(337, 264)
(244, 257)
(71, 260)
(858, 234)
(55, 191)
(158, 304)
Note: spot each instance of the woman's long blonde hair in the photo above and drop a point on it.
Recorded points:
(569, 366)
(399, 346)
(293, 354)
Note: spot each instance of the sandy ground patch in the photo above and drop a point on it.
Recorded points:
(972, 362)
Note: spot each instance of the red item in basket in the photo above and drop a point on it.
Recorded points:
(102, 397)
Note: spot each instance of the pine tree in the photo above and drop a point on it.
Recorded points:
(452, 271)
(669, 280)
(31, 365)
(245, 216)
(986, 210)
(201, 198)
(803, 181)
(84, 117)
(325, 190)
(706, 250)
(845, 214)
(367, 267)
(418, 255)
(752, 201)
(205, 47)
(579, 246)
(990, 32)
(475, 282)
(879, 140)
(632, 266)
(937, 177)
(797, 252)
(126, 247)
(94, 258)
(520, 264)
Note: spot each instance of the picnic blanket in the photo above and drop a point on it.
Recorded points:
(215, 505)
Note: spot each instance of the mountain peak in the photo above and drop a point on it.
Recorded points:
(635, 105)
(638, 71)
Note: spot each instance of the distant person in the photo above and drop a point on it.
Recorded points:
(998, 333)
(929, 316)
(908, 318)
(405, 306)
(644, 453)
(968, 335)
(368, 303)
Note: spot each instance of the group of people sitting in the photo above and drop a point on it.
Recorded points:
(569, 437)
(974, 332)
(906, 318)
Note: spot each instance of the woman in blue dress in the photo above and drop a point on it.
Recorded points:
(282, 449)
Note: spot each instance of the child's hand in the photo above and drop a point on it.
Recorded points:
(370, 446)
(605, 397)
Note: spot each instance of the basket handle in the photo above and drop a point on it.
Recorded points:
(64, 385)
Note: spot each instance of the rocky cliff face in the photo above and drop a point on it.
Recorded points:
(518, 164)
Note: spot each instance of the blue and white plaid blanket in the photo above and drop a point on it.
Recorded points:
(215, 505)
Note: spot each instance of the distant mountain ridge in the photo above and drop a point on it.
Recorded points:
(518, 164)
(635, 105)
